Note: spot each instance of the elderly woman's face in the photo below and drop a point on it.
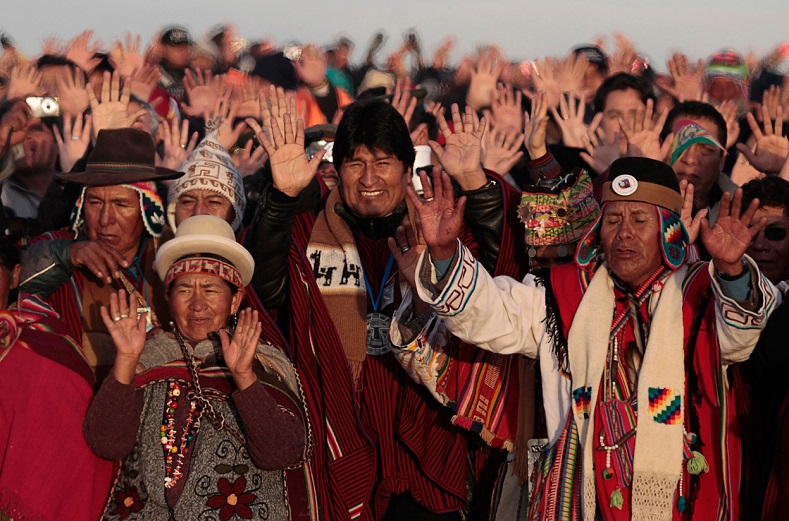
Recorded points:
(201, 304)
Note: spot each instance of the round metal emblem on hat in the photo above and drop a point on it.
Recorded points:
(624, 185)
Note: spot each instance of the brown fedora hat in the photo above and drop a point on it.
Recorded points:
(121, 156)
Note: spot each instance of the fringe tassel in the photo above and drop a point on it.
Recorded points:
(356, 373)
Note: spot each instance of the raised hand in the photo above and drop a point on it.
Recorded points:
(506, 111)
(440, 216)
(13, 123)
(692, 224)
(202, 90)
(643, 137)
(733, 232)
(71, 93)
(128, 332)
(688, 82)
(126, 60)
(113, 110)
(535, 126)
(249, 161)
(74, 141)
(145, 81)
(771, 149)
(274, 107)
(290, 170)
(23, 81)
(771, 99)
(239, 352)
(221, 120)
(442, 53)
(311, 67)
(177, 143)
(461, 156)
(247, 96)
(82, 52)
(501, 149)
(406, 247)
(402, 100)
(484, 76)
(600, 153)
(728, 109)
(571, 120)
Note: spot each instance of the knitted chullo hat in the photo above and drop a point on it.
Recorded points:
(151, 208)
(560, 214)
(729, 65)
(639, 179)
(209, 167)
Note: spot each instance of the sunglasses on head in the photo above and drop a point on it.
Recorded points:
(775, 233)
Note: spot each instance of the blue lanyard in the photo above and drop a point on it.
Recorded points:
(377, 301)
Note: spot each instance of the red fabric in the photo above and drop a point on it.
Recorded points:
(46, 468)
(715, 492)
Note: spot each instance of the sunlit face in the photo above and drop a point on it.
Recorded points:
(630, 235)
(201, 304)
(770, 249)
(113, 218)
(203, 202)
(373, 182)
(701, 164)
(620, 104)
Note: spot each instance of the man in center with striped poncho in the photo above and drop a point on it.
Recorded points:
(647, 337)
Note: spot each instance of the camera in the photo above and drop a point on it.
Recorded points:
(43, 106)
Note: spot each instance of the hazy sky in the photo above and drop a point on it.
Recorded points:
(524, 29)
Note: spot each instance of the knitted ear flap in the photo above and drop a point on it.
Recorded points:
(151, 208)
(673, 238)
(588, 251)
(152, 213)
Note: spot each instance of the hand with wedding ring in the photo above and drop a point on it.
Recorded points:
(440, 216)
(407, 246)
(128, 332)
(239, 352)
(73, 149)
(176, 148)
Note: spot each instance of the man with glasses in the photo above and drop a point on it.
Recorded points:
(770, 249)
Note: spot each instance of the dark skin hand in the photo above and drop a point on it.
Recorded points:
(102, 261)
(14, 123)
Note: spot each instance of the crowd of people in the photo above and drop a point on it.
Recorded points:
(240, 280)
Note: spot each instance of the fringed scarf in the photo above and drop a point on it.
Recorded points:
(657, 464)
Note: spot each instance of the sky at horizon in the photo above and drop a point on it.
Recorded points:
(524, 30)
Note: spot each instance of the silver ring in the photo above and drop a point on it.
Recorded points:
(116, 319)
(75, 138)
(428, 199)
(124, 316)
(404, 249)
(183, 146)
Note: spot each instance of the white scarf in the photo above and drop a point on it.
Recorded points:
(658, 455)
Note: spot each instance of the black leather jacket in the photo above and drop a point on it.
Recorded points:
(271, 234)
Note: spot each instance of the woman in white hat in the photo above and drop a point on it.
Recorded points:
(206, 420)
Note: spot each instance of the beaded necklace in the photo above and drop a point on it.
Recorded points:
(174, 454)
